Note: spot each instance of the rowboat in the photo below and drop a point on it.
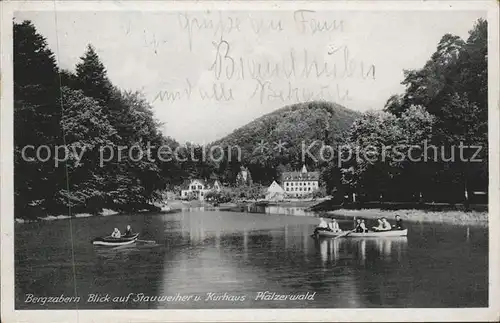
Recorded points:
(110, 241)
(371, 234)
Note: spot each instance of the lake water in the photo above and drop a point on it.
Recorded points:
(220, 259)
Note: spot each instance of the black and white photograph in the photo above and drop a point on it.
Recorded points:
(161, 156)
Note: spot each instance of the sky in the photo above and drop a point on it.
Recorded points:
(207, 73)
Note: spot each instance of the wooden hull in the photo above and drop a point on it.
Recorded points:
(109, 241)
(371, 234)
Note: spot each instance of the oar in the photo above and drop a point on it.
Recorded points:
(342, 235)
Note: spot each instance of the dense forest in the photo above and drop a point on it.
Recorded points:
(82, 111)
(448, 99)
(445, 104)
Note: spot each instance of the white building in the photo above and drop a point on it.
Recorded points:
(298, 184)
(200, 188)
(275, 192)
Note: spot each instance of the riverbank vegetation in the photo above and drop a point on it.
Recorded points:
(60, 116)
(440, 122)
(75, 113)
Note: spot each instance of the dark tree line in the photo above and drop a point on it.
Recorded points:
(445, 104)
(84, 112)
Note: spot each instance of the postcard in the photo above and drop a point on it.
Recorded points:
(249, 161)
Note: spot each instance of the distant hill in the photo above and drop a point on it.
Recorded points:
(294, 125)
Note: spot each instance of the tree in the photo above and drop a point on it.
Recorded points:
(319, 193)
(92, 77)
(417, 129)
(473, 67)
(463, 125)
(431, 85)
(86, 131)
(37, 117)
(381, 158)
(139, 167)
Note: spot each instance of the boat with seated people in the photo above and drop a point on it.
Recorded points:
(372, 234)
(111, 241)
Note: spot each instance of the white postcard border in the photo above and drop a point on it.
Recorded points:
(8, 314)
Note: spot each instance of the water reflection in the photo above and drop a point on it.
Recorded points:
(378, 248)
(330, 250)
(114, 252)
(245, 244)
(286, 236)
(385, 247)
(362, 251)
(287, 210)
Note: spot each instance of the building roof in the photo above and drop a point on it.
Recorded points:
(185, 185)
(300, 176)
(275, 188)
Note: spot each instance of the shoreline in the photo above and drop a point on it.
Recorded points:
(104, 213)
(477, 218)
(413, 215)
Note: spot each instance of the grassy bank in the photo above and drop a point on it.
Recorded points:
(171, 206)
(451, 217)
(104, 212)
(182, 204)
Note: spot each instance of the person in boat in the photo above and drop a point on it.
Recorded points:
(399, 223)
(128, 232)
(358, 228)
(363, 226)
(380, 225)
(322, 226)
(116, 233)
(386, 226)
(334, 226)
